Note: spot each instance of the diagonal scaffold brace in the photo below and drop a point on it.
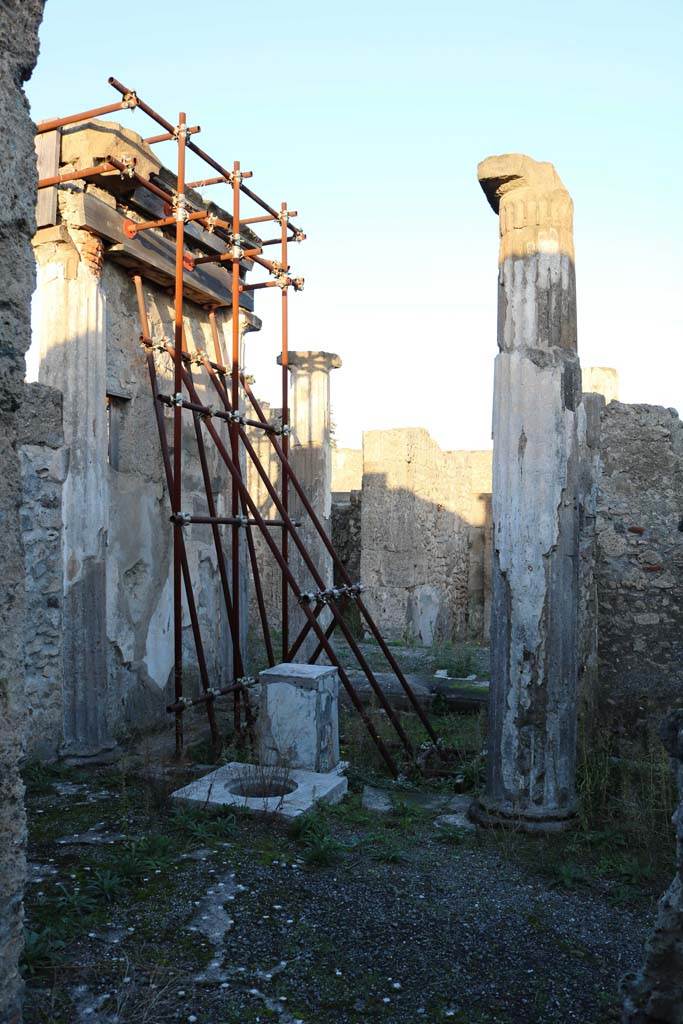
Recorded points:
(233, 391)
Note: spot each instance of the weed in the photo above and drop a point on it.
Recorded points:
(74, 901)
(105, 885)
(320, 848)
(41, 950)
(200, 826)
(451, 836)
(386, 850)
(568, 875)
(151, 853)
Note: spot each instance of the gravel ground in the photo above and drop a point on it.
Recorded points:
(363, 918)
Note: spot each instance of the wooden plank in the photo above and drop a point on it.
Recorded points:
(153, 255)
(48, 148)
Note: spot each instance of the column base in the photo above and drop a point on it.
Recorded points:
(487, 815)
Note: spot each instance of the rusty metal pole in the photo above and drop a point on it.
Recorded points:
(284, 358)
(234, 428)
(176, 497)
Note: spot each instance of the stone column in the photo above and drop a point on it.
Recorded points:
(537, 391)
(19, 47)
(70, 324)
(311, 460)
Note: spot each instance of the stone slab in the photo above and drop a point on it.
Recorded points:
(376, 800)
(310, 788)
(455, 821)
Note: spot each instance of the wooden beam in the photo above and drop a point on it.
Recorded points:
(151, 253)
(48, 148)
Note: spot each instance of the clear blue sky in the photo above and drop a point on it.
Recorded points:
(370, 118)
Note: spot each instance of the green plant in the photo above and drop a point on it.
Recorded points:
(201, 826)
(450, 836)
(568, 875)
(386, 850)
(320, 848)
(105, 885)
(41, 949)
(151, 853)
(74, 901)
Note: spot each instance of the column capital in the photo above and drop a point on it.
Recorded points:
(312, 362)
(535, 209)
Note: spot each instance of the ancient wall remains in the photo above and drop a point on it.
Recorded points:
(108, 530)
(423, 536)
(18, 54)
(347, 471)
(639, 554)
(44, 464)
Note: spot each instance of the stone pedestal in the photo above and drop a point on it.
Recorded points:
(311, 460)
(298, 719)
(537, 391)
(71, 328)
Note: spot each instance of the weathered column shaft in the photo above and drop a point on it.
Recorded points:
(537, 391)
(311, 460)
(71, 329)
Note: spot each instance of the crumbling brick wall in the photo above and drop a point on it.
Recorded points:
(18, 54)
(639, 554)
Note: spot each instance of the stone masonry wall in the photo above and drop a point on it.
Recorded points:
(423, 536)
(347, 470)
(43, 470)
(346, 534)
(639, 553)
(18, 54)
(122, 504)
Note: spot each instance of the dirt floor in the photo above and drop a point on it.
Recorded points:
(138, 911)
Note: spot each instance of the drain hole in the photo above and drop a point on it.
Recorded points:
(262, 787)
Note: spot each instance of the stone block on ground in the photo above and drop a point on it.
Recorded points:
(298, 720)
(264, 789)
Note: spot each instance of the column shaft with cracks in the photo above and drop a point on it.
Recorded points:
(537, 391)
(311, 460)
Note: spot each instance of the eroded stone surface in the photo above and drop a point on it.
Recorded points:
(537, 391)
(18, 52)
(298, 719)
(221, 788)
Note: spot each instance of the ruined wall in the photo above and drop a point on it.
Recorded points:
(44, 462)
(423, 535)
(112, 672)
(346, 534)
(115, 505)
(639, 553)
(18, 53)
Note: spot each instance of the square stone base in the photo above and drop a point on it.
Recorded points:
(246, 785)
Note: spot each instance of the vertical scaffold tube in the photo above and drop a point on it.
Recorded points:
(234, 435)
(176, 497)
(284, 358)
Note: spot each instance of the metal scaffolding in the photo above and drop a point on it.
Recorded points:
(232, 390)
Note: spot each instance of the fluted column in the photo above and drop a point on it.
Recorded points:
(71, 329)
(537, 391)
(311, 460)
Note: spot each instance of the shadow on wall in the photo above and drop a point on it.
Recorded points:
(426, 569)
